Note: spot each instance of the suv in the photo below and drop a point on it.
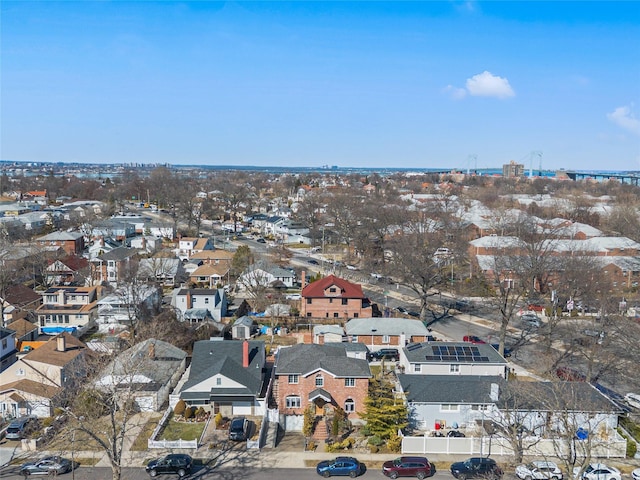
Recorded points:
(179, 463)
(475, 467)
(20, 428)
(407, 467)
(238, 429)
(385, 354)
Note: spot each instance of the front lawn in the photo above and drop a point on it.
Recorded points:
(182, 430)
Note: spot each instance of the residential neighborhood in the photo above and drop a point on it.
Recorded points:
(490, 325)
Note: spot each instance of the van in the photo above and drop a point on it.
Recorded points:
(18, 428)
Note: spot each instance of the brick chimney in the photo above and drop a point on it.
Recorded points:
(245, 354)
(61, 343)
(152, 351)
(189, 300)
(303, 282)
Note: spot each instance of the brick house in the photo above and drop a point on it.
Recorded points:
(334, 297)
(320, 375)
(70, 242)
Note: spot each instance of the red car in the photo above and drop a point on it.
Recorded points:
(408, 467)
(472, 339)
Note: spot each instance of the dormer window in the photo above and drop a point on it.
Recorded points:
(319, 381)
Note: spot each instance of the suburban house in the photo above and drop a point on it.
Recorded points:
(164, 270)
(437, 402)
(452, 358)
(119, 230)
(114, 266)
(70, 270)
(216, 256)
(26, 331)
(263, 274)
(19, 301)
(147, 243)
(212, 299)
(187, 246)
(8, 348)
(68, 309)
(228, 376)
(323, 376)
(210, 275)
(145, 373)
(70, 242)
(334, 297)
(379, 332)
(123, 306)
(100, 246)
(30, 384)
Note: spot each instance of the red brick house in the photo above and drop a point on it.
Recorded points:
(322, 376)
(333, 297)
(71, 242)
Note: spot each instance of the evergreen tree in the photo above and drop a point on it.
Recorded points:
(385, 413)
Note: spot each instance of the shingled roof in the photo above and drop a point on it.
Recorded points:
(304, 359)
(346, 289)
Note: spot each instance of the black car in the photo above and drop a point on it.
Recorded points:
(385, 354)
(476, 467)
(179, 463)
(455, 433)
(238, 429)
(507, 350)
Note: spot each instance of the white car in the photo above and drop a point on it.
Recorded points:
(294, 296)
(598, 471)
(636, 474)
(352, 267)
(539, 470)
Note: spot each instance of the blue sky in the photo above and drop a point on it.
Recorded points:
(361, 84)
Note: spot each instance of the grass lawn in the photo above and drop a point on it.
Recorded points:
(182, 430)
(140, 443)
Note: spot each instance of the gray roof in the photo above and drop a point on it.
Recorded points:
(120, 253)
(303, 359)
(60, 236)
(243, 321)
(417, 353)
(465, 389)
(385, 326)
(351, 347)
(224, 357)
(328, 329)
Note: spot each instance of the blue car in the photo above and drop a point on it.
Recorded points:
(340, 466)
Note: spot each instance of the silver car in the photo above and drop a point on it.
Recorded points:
(539, 470)
(47, 466)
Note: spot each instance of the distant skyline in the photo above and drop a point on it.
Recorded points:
(436, 84)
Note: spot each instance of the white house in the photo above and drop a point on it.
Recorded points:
(214, 300)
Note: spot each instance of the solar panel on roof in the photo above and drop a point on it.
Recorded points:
(413, 346)
(455, 353)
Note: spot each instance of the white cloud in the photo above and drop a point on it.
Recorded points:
(455, 92)
(624, 118)
(486, 84)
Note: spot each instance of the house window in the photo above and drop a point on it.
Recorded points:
(293, 379)
(345, 301)
(331, 300)
(480, 408)
(309, 301)
(349, 406)
(206, 301)
(293, 402)
(354, 339)
(355, 315)
(449, 407)
(349, 382)
(333, 290)
(319, 381)
(417, 368)
(386, 338)
(308, 314)
(335, 314)
(218, 381)
(4, 343)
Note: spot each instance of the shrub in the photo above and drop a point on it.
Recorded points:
(373, 449)
(218, 419)
(394, 443)
(200, 412)
(632, 448)
(375, 440)
(180, 407)
(311, 446)
(309, 421)
(188, 412)
(47, 422)
(346, 444)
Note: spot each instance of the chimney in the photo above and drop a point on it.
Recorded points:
(188, 298)
(495, 392)
(245, 354)
(152, 351)
(101, 241)
(61, 344)
(303, 283)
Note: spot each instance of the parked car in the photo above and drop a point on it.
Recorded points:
(179, 463)
(293, 296)
(476, 467)
(313, 261)
(507, 350)
(238, 429)
(472, 339)
(386, 354)
(538, 470)
(340, 466)
(635, 475)
(261, 240)
(531, 320)
(377, 276)
(352, 267)
(455, 434)
(598, 471)
(47, 466)
(20, 427)
(407, 467)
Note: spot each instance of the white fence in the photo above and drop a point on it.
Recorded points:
(615, 447)
(153, 443)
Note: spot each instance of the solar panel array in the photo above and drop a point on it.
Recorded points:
(456, 353)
